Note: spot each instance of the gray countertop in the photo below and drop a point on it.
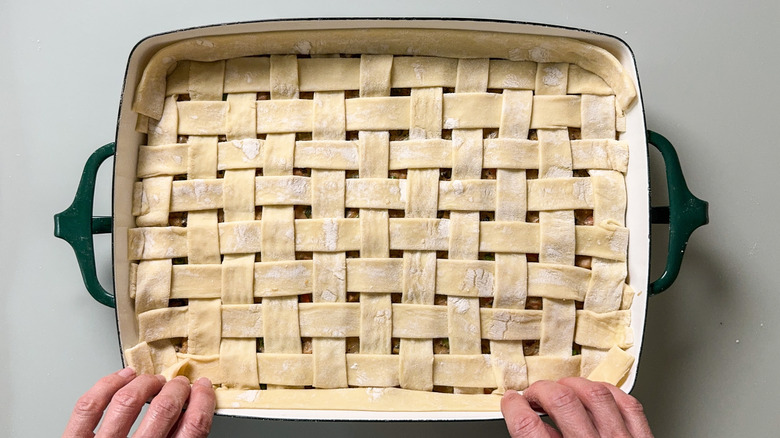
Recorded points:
(708, 73)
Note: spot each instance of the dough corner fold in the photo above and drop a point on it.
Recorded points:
(613, 368)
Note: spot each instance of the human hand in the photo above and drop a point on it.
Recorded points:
(124, 394)
(579, 407)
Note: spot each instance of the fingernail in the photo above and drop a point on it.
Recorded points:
(127, 372)
(510, 393)
(205, 382)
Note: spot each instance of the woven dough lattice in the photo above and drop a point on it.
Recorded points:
(354, 222)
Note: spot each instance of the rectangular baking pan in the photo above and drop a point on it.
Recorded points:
(77, 225)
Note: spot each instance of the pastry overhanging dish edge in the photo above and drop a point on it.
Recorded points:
(124, 335)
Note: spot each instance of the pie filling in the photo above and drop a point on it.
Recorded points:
(397, 226)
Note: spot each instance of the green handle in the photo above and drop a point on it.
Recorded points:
(684, 214)
(76, 225)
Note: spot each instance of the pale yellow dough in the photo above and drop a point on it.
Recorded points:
(388, 216)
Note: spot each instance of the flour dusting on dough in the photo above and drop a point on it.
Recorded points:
(402, 188)
(478, 279)
(451, 123)
(418, 70)
(303, 47)
(552, 76)
(583, 189)
(295, 185)
(511, 81)
(499, 325)
(330, 229)
(244, 236)
(443, 228)
(247, 396)
(460, 304)
(250, 147)
(551, 277)
(457, 187)
(539, 54)
(375, 393)
(382, 317)
(285, 271)
(204, 43)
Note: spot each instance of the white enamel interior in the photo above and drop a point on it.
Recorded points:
(637, 219)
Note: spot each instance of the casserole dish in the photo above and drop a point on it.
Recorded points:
(144, 98)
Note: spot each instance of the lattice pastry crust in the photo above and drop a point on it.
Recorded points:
(381, 219)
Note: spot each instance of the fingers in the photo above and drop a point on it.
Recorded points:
(125, 394)
(633, 413)
(521, 420)
(196, 421)
(600, 403)
(564, 406)
(126, 404)
(579, 408)
(165, 409)
(89, 408)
